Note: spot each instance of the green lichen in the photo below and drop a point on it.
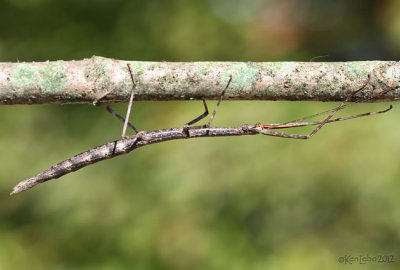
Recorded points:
(96, 71)
(202, 71)
(140, 66)
(392, 72)
(24, 76)
(246, 76)
(273, 67)
(53, 78)
(359, 69)
(170, 79)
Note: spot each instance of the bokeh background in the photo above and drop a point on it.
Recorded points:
(217, 203)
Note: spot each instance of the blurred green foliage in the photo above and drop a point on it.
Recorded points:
(221, 203)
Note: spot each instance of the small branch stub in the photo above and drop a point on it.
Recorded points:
(108, 81)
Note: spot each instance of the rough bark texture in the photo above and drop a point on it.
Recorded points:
(63, 82)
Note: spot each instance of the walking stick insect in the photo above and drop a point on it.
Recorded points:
(142, 138)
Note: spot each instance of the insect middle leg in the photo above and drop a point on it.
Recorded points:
(197, 119)
(186, 127)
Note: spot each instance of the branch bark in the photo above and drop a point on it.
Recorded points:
(85, 81)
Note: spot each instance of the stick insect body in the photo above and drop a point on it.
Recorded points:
(142, 138)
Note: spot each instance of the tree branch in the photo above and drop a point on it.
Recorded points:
(108, 80)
